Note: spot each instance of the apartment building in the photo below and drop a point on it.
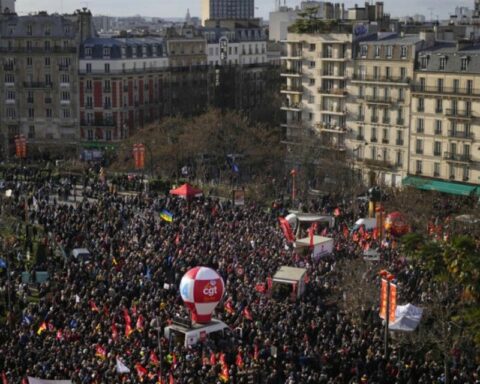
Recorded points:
(123, 86)
(38, 78)
(445, 118)
(379, 106)
(315, 91)
(227, 9)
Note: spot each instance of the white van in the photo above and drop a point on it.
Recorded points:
(369, 224)
(196, 333)
(80, 254)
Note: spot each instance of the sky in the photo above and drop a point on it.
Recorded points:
(178, 8)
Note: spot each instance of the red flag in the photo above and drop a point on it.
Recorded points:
(93, 306)
(177, 239)
(224, 374)
(393, 303)
(256, 353)
(247, 314)
(213, 359)
(141, 371)
(126, 317)
(361, 231)
(205, 360)
(239, 361)
(59, 336)
(24, 380)
(171, 379)
(154, 359)
(100, 352)
(260, 287)
(355, 237)
(269, 283)
(383, 299)
(375, 233)
(140, 322)
(229, 307)
(336, 212)
(287, 230)
(128, 330)
(106, 311)
(4, 378)
(114, 332)
(222, 358)
(345, 231)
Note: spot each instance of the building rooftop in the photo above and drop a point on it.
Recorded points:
(448, 57)
(40, 25)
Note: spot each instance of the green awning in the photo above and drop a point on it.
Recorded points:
(441, 186)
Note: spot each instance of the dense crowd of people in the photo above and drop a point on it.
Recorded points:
(113, 306)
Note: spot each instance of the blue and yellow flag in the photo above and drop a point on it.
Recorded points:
(166, 215)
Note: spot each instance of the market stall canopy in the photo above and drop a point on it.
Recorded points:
(186, 191)
(407, 318)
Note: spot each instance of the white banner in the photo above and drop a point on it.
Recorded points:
(32, 380)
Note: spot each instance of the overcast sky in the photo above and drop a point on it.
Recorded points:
(177, 8)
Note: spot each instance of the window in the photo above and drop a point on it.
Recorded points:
(456, 85)
(438, 127)
(312, 64)
(423, 62)
(437, 148)
(399, 159)
(89, 102)
(418, 167)
(90, 134)
(442, 63)
(403, 52)
(465, 173)
(65, 96)
(419, 146)
(65, 78)
(107, 68)
(438, 105)
(88, 51)
(403, 73)
(420, 125)
(440, 85)
(388, 72)
(373, 153)
(311, 81)
(66, 113)
(436, 169)
(47, 30)
(11, 95)
(48, 113)
(378, 50)
(29, 30)
(464, 63)
(9, 78)
(363, 51)
(389, 51)
(31, 132)
(89, 68)
(421, 104)
(47, 45)
(312, 47)
(373, 134)
(469, 87)
(31, 113)
(29, 61)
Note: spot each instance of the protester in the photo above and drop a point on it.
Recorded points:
(93, 313)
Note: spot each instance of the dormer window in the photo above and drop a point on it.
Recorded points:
(124, 51)
(106, 51)
(47, 30)
(443, 63)
(464, 63)
(29, 30)
(423, 62)
(88, 51)
(363, 51)
(66, 30)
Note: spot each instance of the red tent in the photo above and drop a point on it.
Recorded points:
(186, 191)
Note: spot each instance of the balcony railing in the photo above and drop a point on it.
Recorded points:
(465, 114)
(378, 163)
(374, 119)
(400, 121)
(37, 84)
(461, 134)
(331, 127)
(359, 137)
(385, 141)
(457, 157)
(418, 88)
(8, 67)
(373, 139)
(98, 123)
(386, 120)
(333, 73)
(38, 50)
(381, 79)
(292, 106)
(291, 71)
(399, 142)
(333, 91)
(379, 100)
(292, 88)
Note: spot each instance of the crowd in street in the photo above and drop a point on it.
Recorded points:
(113, 306)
